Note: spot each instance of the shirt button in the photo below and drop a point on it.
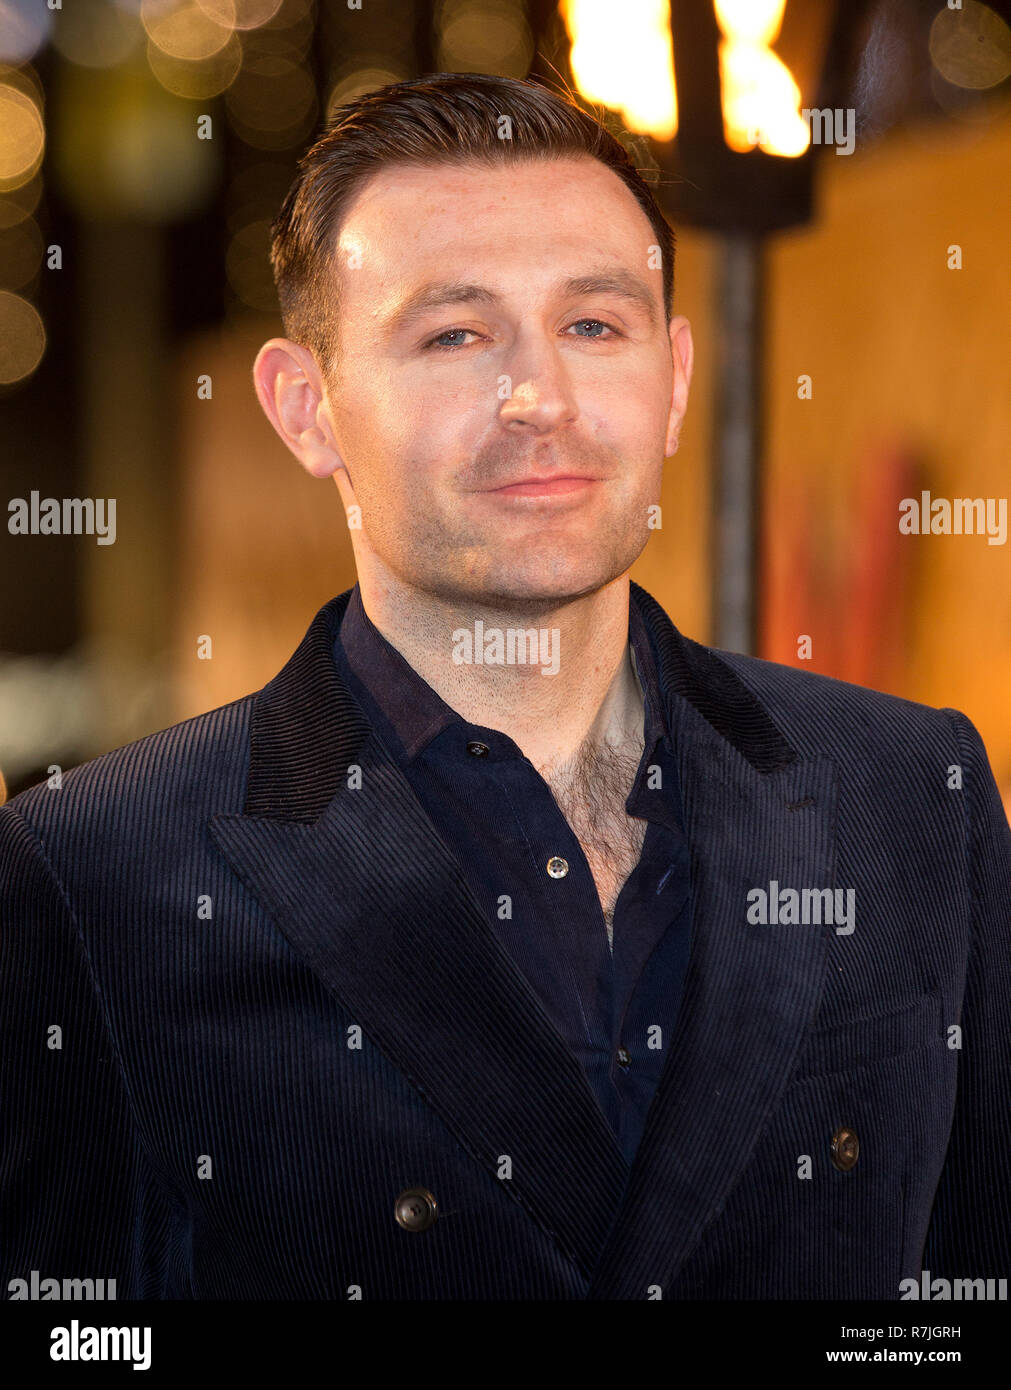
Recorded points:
(477, 750)
(624, 1057)
(558, 867)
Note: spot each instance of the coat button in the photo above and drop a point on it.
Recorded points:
(416, 1209)
(477, 750)
(557, 866)
(845, 1149)
(624, 1057)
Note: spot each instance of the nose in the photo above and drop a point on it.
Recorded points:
(537, 393)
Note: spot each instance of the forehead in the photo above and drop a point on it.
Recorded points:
(408, 223)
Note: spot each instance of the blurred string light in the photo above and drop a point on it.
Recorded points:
(293, 25)
(131, 153)
(761, 100)
(22, 147)
(181, 29)
(20, 203)
(255, 192)
(121, 150)
(197, 80)
(22, 130)
(24, 27)
(252, 198)
(21, 253)
(197, 49)
(970, 47)
(490, 36)
(241, 14)
(625, 60)
(272, 107)
(247, 266)
(357, 82)
(22, 338)
(272, 103)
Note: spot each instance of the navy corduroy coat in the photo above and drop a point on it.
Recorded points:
(247, 1004)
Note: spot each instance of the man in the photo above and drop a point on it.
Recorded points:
(507, 944)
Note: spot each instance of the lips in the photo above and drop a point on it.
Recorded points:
(545, 486)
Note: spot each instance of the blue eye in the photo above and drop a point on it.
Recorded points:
(449, 333)
(436, 345)
(598, 322)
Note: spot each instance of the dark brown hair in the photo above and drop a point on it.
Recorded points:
(444, 118)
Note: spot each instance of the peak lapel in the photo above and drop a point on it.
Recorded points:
(755, 812)
(367, 892)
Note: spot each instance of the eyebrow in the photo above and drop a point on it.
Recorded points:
(437, 294)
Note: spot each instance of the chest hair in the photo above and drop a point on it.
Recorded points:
(591, 790)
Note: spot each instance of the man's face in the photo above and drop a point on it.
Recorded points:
(440, 414)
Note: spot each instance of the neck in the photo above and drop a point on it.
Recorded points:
(593, 699)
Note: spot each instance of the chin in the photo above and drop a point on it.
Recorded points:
(542, 584)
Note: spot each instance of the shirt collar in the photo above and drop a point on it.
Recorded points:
(415, 714)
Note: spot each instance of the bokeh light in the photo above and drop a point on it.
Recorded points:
(20, 202)
(272, 102)
(294, 25)
(181, 29)
(357, 82)
(197, 80)
(240, 14)
(247, 266)
(22, 338)
(21, 253)
(22, 135)
(24, 28)
(483, 36)
(256, 192)
(971, 47)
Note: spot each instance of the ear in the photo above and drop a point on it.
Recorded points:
(290, 389)
(683, 359)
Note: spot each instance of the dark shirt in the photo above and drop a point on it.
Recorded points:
(615, 1008)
